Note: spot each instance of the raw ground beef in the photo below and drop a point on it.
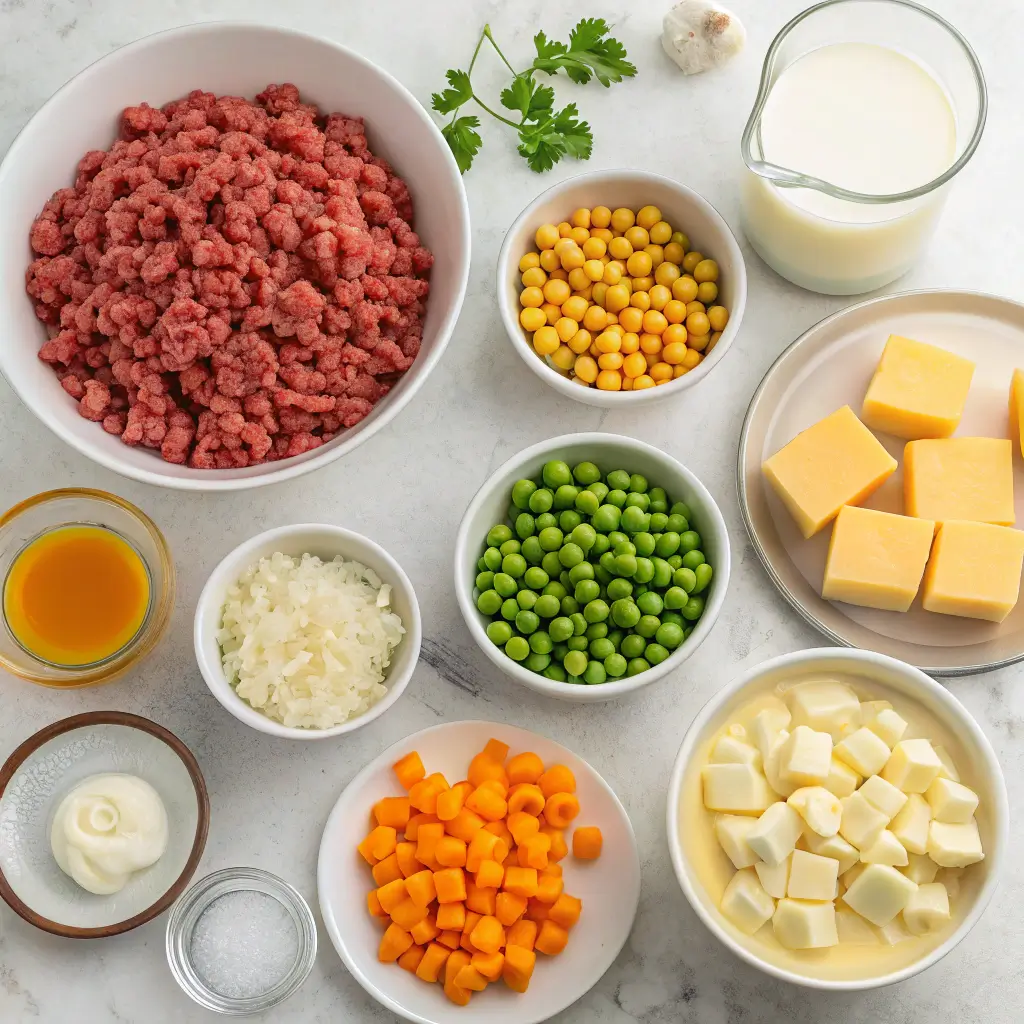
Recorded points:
(233, 281)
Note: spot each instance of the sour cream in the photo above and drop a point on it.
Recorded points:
(107, 828)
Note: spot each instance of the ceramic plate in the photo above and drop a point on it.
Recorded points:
(609, 886)
(831, 365)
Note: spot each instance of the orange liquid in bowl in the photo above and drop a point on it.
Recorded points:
(76, 595)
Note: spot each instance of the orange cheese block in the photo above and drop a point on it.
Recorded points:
(1017, 410)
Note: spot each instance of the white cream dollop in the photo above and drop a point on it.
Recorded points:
(699, 35)
(107, 828)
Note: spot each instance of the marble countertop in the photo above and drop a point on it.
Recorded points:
(407, 488)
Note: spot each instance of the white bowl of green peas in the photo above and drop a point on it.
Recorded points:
(591, 565)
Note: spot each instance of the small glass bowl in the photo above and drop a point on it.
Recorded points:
(181, 930)
(70, 506)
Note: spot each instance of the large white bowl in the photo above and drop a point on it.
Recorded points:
(609, 451)
(238, 59)
(609, 886)
(326, 542)
(685, 209)
(885, 678)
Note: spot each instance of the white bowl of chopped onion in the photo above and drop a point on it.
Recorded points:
(307, 631)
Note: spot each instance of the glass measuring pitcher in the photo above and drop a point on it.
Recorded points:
(854, 218)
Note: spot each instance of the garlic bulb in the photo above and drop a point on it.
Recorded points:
(698, 35)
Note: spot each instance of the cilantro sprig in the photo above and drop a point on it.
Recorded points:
(546, 135)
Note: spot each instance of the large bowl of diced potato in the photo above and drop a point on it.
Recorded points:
(837, 819)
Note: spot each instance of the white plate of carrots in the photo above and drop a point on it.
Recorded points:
(524, 848)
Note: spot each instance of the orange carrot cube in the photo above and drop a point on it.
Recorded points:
(458, 959)
(508, 908)
(426, 931)
(408, 914)
(409, 770)
(488, 803)
(469, 979)
(450, 852)
(522, 933)
(450, 884)
(373, 904)
(565, 911)
(553, 868)
(386, 871)
(450, 937)
(526, 798)
(587, 842)
(521, 881)
(392, 811)
(489, 875)
(483, 846)
(500, 829)
(464, 825)
(420, 888)
(394, 942)
(525, 767)
(558, 848)
(522, 825)
(549, 888)
(560, 809)
(427, 837)
(434, 959)
(407, 862)
(517, 968)
(482, 768)
(537, 911)
(450, 802)
(451, 916)
(557, 779)
(551, 938)
(391, 894)
(488, 935)
(410, 959)
(495, 750)
(488, 964)
(480, 900)
(412, 829)
(533, 853)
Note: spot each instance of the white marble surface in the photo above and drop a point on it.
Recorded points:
(408, 486)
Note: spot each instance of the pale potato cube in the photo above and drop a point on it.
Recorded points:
(745, 903)
(954, 846)
(886, 849)
(927, 909)
(767, 725)
(731, 830)
(879, 893)
(888, 726)
(910, 826)
(912, 767)
(820, 809)
(921, 868)
(948, 769)
(870, 708)
(774, 878)
(812, 877)
(825, 706)
(730, 750)
(853, 929)
(806, 756)
(773, 838)
(850, 875)
(842, 779)
(862, 822)
(735, 789)
(801, 925)
(950, 878)
(894, 932)
(950, 801)
(772, 770)
(885, 796)
(864, 751)
(835, 847)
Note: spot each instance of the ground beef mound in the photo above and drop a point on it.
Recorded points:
(233, 281)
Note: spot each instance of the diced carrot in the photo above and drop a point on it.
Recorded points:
(450, 852)
(373, 904)
(466, 943)
(533, 852)
(450, 884)
(464, 825)
(526, 797)
(456, 995)
(412, 829)
(587, 842)
(521, 825)
(560, 809)
(407, 862)
(391, 894)
(517, 968)
(484, 846)
(489, 875)
(427, 837)
(387, 870)
(488, 935)
(558, 848)
(525, 767)
(454, 964)
(410, 959)
(409, 770)
(496, 750)
(551, 938)
(482, 768)
(408, 914)
(485, 801)
(500, 829)
(382, 841)
(557, 779)
(392, 811)
(420, 888)
(537, 911)
(423, 795)
(450, 937)
(470, 979)
(512, 860)
(434, 958)
(451, 916)
(450, 802)
(394, 942)
(471, 921)
(522, 933)
(426, 931)
(549, 888)
(508, 908)
(553, 868)
(565, 911)
(479, 899)
(521, 881)
(488, 964)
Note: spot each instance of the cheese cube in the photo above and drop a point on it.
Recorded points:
(853, 929)
(910, 826)
(959, 478)
(825, 706)
(835, 847)
(729, 750)
(927, 909)
(1017, 410)
(800, 925)
(950, 879)
(954, 846)
(918, 390)
(767, 725)
(950, 801)
(772, 770)
(894, 932)
(862, 822)
(864, 751)
(774, 878)
(735, 788)
(912, 767)
(775, 834)
(842, 779)
(886, 725)
(870, 708)
(731, 830)
(920, 868)
(974, 571)
(879, 893)
(833, 463)
(819, 808)
(886, 849)
(876, 559)
(885, 796)
(745, 903)
(812, 877)
(806, 756)
(850, 875)
(948, 769)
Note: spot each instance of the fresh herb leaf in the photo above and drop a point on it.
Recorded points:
(545, 143)
(531, 100)
(463, 140)
(547, 48)
(591, 53)
(579, 141)
(461, 92)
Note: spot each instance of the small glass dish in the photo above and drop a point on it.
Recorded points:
(37, 515)
(216, 959)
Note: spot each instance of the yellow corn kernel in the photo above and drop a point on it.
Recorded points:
(655, 322)
(528, 261)
(594, 248)
(616, 298)
(600, 217)
(674, 253)
(594, 269)
(627, 383)
(563, 358)
(610, 360)
(660, 297)
(578, 279)
(532, 318)
(579, 235)
(698, 343)
(565, 229)
(585, 368)
(691, 359)
(667, 274)
(558, 274)
(551, 312)
(616, 328)
(631, 318)
(531, 297)
(546, 341)
(657, 255)
(557, 291)
(718, 317)
(643, 284)
(608, 341)
(609, 380)
(642, 383)
(660, 232)
(684, 288)
(566, 327)
(715, 337)
(549, 260)
(622, 219)
(650, 343)
(611, 274)
(648, 216)
(534, 278)
(581, 341)
(546, 236)
(620, 249)
(603, 233)
(640, 300)
(674, 334)
(673, 353)
(572, 258)
(564, 244)
(675, 311)
(678, 371)
(634, 365)
(637, 236)
(661, 371)
(707, 292)
(580, 218)
(595, 319)
(630, 342)
(585, 293)
(639, 264)
(600, 290)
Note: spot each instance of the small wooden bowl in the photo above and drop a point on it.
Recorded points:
(36, 777)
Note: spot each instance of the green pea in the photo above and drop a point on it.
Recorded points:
(685, 578)
(655, 654)
(527, 599)
(485, 580)
(540, 642)
(492, 559)
(594, 674)
(636, 666)
(525, 526)
(489, 602)
(633, 519)
(668, 544)
(527, 622)
(579, 573)
(521, 491)
(615, 665)
(606, 519)
(616, 497)
(586, 591)
(546, 519)
(497, 535)
(632, 646)
(677, 524)
(586, 473)
(623, 547)
(689, 540)
(601, 545)
(537, 662)
(499, 633)
(584, 535)
(648, 626)
(575, 663)
(673, 618)
(640, 591)
(577, 643)
(625, 613)
(565, 496)
(532, 551)
(625, 565)
(541, 501)
(555, 474)
(599, 488)
(694, 609)
(644, 543)
(596, 610)
(587, 503)
(554, 589)
(703, 572)
(675, 561)
(510, 609)
(569, 520)
(680, 508)
(566, 580)
(569, 605)
(618, 479)
(662, 573)
(517, 648)
(687, 632)
(618, 537)
(556, 672)
(619, 588)
(510, 547)
(659, 522)
(511, 513)
(550, 564)
(693, 558)
(669, 635)
(481, 565)
(513, 565)
(559, 651)
(658, 495)
(570, 554)
(579, 623)
(640, 501)
(504, 584)
(601, 648)
(676, 597)
(550, 539)
(597, 631)
(535, 578)
(644, 570)
(616, 637)
(547, 606)
(560, 629)
(603, 576)
(607, 562)
(650, 603)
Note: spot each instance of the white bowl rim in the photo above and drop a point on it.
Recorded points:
(991, 768)
(213, 675)
(622, 398)
(286, 469)
(326, 860)
(629, 684)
